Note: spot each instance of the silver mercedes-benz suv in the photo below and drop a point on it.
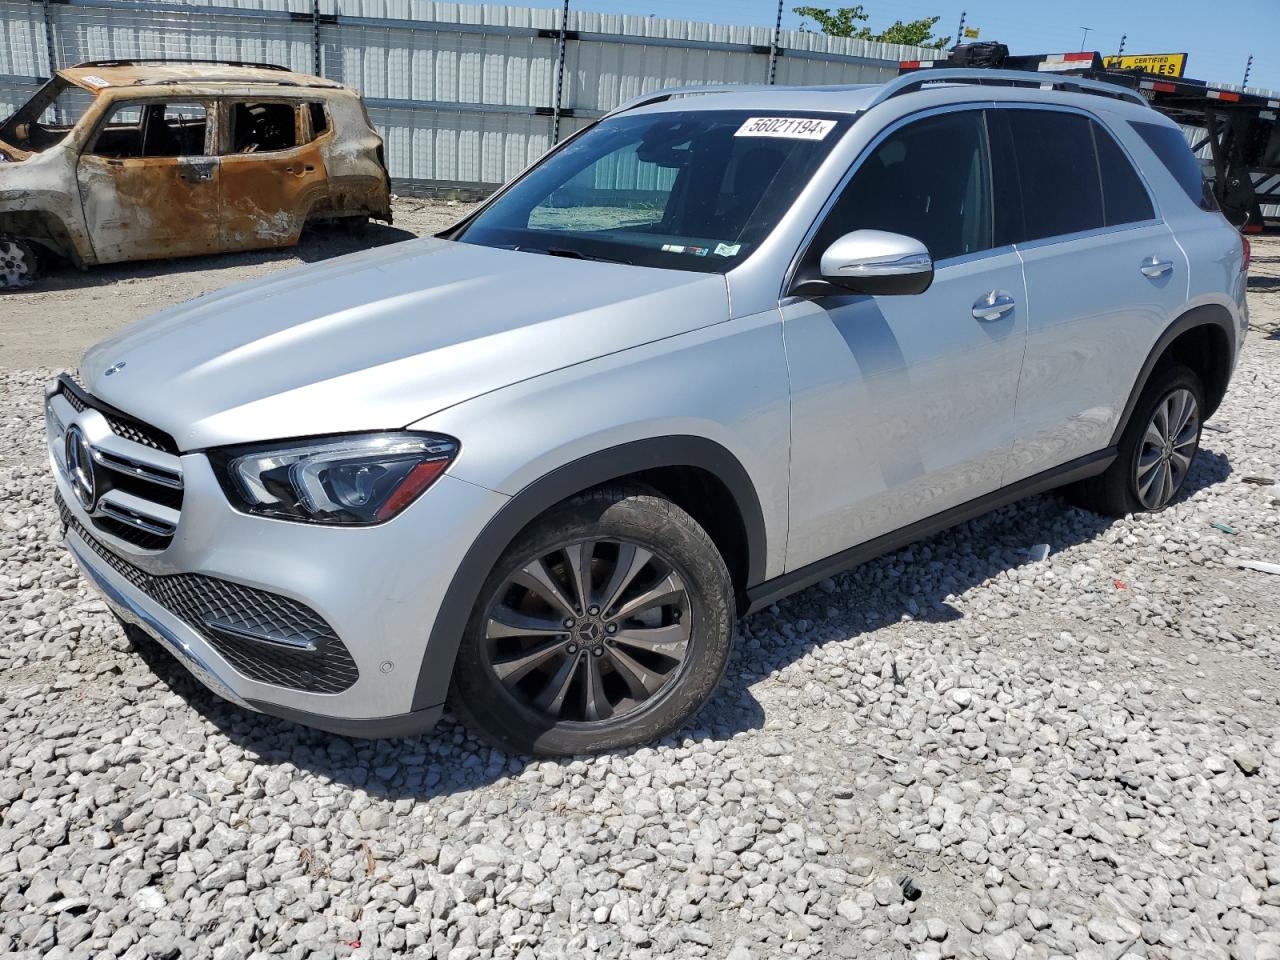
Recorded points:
(707, 351)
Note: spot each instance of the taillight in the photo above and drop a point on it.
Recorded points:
(1247, 250)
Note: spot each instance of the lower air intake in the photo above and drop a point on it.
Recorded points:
(266, 637)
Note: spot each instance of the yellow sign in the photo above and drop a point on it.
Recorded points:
(972, 33)
(1162, 64)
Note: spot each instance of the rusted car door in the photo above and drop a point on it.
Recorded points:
(149, 182)
(272, 172)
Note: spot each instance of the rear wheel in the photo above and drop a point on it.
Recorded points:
(18, 263)
(1155, 451)
(607, 623)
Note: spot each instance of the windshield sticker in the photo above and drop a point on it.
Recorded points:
(727, 249)
(94, 81)
(677, 248)
(788, 128)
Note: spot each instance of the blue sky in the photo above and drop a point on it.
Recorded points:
(1218, 37)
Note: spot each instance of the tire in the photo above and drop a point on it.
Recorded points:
(1135, 483)
(19, 265)
(627, 673)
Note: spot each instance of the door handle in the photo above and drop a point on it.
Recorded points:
(992, 306)
(197, 172)
(1155, 267)
(301, 171)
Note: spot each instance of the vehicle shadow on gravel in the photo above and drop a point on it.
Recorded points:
(447, 761)
(317, 243)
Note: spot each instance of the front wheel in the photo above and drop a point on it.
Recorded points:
(607, 623)
(1155, 451)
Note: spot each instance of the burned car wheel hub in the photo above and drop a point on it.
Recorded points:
(15, 264)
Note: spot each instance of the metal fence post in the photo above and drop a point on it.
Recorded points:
(774, 45)
(560, 56)
(315, 35)
(51, 50)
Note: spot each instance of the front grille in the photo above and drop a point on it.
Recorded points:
(265, 637)
(141, 433)
(122, 425)
(140, 525)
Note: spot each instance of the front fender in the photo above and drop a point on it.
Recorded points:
(534, 500)
(715, 399)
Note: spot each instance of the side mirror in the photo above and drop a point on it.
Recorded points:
(878, 263)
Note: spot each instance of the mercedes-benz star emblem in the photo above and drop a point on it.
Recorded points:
(80, 467)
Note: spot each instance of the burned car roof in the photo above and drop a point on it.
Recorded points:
(190, 77)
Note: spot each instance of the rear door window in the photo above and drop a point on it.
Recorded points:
(1056, 166)
(1124, 195)
(263, 127)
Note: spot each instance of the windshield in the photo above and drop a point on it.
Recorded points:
(47, 118)
(698, 190)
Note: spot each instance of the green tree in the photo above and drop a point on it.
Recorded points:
(851, 22)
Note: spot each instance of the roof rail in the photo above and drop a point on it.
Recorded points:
(131, 62)
(658, 96)
(912, 82)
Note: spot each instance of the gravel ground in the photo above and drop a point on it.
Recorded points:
(956, 750)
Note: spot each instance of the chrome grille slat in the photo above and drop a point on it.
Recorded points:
(137, 520)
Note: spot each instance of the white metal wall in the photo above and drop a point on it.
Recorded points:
(462, 93)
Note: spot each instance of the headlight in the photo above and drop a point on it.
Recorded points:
(344, 480)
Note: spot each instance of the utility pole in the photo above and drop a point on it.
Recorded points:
(1123, 38)
(1085, 39)
(960, 29)
(1248, 68)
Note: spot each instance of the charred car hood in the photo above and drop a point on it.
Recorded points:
(382, 338)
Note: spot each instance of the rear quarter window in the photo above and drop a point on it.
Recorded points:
(1172, 149)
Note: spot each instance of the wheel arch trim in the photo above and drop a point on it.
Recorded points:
(1208, 315)
(603, 466)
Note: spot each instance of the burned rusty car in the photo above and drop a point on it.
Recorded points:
(134, 160)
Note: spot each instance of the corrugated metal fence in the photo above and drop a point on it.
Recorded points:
(464, 95)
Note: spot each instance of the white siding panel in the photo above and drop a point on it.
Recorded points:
(459, 147)
(23, 51)
(95, 33)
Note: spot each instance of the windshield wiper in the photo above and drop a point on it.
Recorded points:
(574, 255)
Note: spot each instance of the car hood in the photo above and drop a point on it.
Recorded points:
(379, 339)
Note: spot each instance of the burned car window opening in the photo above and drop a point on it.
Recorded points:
(698, 190)
(45, 120)
(263, 127)
(153, 129)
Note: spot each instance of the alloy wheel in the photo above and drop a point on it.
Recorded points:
(1169, 443)
(15, 264)
(589, 631)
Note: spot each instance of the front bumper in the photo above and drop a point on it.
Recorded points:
(185, 647)
(377, 588)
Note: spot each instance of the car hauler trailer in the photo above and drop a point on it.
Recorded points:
(1240, 129)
